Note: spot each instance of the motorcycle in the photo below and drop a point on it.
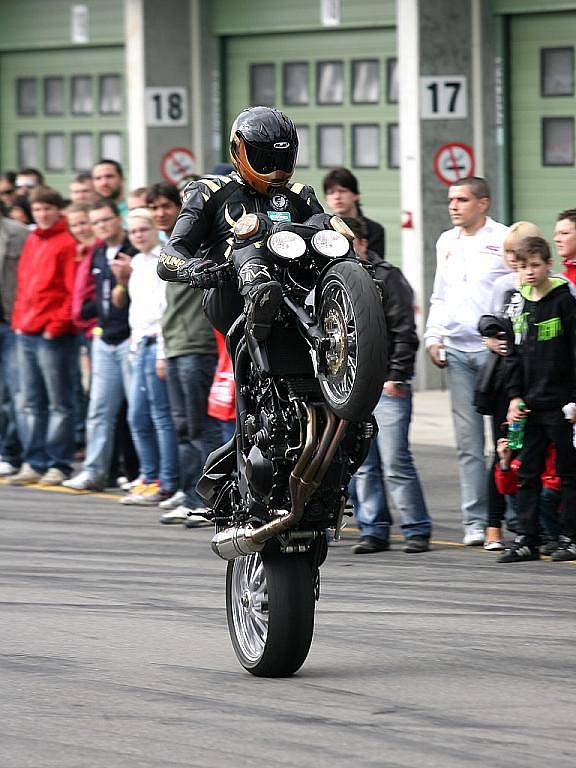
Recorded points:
(304, 402)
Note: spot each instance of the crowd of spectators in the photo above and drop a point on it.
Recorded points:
(104, 363)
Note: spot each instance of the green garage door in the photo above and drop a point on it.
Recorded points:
(61, 110)
(543, 108)
(340, 89)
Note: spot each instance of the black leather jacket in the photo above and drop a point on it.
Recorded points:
(398, 303)
(210, 209)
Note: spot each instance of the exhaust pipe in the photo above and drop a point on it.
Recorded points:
(304, 479)
(235, 542)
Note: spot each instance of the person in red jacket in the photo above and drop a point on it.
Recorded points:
(565, 241)
(507, 483)
(42, 321)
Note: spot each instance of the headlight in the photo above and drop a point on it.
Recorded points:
(330, 244)
(286, 245)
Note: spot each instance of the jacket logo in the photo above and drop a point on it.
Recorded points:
(282, 145)
(549, 329)
(280, 202)
(170, 261)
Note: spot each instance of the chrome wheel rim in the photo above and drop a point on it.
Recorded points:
(249, 595)
(338, 323)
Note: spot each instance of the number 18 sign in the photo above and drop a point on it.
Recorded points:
(166, 106)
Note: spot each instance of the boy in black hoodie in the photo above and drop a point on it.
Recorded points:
(542, 378)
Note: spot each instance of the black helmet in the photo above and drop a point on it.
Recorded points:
(263, 148)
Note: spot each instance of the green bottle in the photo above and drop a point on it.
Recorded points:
(516, 431)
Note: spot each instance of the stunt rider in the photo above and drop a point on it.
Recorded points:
(263, 150)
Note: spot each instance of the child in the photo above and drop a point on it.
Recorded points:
(506, 480)
(542, 378)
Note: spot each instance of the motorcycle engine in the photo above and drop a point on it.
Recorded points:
(271, 431)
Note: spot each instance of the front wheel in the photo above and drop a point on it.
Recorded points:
(352, 319)
(270, 609)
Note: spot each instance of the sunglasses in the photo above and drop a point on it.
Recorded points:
(25, 185)
(7, 191)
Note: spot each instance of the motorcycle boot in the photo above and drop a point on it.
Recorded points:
(262, 294)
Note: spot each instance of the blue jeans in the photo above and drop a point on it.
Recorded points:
(10, 442)
(79, 396)
(150, 420)
(228, 430)
(189, 380)
(109, 383)
(46, 400)
(390, 458)
(462, 371)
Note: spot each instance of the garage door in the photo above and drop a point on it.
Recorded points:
(340, 88)
(543, 108)
(60, 111)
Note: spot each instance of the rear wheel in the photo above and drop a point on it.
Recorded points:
(270, 608)
(351, 316)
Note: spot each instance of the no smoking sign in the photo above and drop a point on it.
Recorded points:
(453, 162)
(177, 164)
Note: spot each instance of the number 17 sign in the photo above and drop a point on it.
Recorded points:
(443, 97)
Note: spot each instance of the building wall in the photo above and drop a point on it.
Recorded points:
(36, 24)
(238, 17)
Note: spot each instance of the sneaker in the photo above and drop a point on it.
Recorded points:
(178, 515)
(84, 482)
(127, 485)
(369, 544)
(416, 544)
(520, 552)
(494, 546)
(549, 546)
(53, 476)
(153, 495)
(7, 469)
(136, 493)
(26, 475)
(197, 518)
(566, 550)
(176, 500)
(474, 538)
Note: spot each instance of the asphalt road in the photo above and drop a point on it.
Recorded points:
(114, 650)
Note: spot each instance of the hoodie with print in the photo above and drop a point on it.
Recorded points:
(542, 369)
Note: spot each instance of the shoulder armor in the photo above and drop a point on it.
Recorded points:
(207, 186)
(296, 187)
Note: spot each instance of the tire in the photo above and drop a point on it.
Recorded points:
(270, 606)
(350, 314)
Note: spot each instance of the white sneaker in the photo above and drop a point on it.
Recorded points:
(177, 500)
(494, 546)
(52, 476)
(474, 538)
(26, 475)
(7, 469)
(176, 516)
(84, 482)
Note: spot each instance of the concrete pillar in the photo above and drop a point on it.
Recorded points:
(450, 40)
(167, 47)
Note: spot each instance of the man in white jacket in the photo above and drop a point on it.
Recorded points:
(469, 259)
